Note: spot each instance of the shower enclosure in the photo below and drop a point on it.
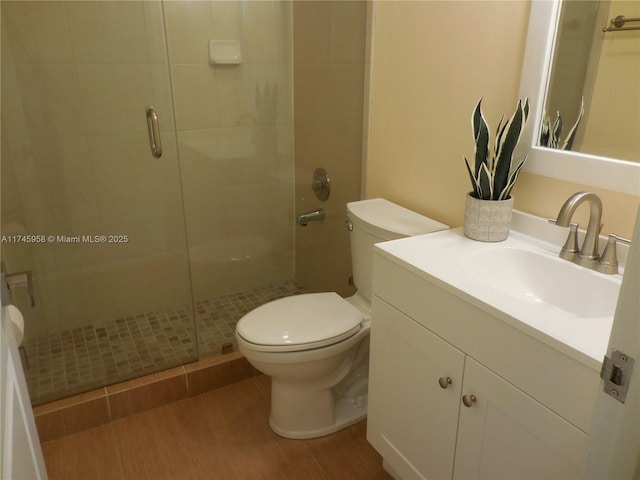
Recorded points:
(138, 261)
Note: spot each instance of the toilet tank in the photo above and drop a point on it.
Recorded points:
(378, 220)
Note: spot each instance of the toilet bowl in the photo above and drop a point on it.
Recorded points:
(315, 346)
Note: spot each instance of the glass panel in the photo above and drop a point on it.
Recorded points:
(86, 207)
(234, 123)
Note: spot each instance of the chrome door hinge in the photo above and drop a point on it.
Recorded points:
(616, 373)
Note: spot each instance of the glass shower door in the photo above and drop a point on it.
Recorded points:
(234, 123)
(87, 208)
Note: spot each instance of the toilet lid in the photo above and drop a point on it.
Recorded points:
(302, 321)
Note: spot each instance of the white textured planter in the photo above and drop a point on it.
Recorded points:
(487, 220)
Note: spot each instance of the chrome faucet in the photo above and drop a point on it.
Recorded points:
(588, 255)
(306, 217)
(589, 251)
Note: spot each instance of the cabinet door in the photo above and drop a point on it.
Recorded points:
(506, 434)
(412, 419)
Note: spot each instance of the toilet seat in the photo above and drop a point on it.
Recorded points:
(300, 322)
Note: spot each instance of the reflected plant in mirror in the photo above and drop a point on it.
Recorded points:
(550, 133)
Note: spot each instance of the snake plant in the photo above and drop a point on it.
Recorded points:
(494, 172)
(550, 134)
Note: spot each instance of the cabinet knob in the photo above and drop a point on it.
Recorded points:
(469, 400)
(445, 382)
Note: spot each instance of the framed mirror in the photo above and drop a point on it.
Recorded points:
(604, 169)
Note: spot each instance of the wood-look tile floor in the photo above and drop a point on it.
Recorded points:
(223, 434)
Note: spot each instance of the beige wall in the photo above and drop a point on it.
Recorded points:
(329, 44)
(432, 61)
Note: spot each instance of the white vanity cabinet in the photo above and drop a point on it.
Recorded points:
(411, 419)
(505, 433)
(529, 405)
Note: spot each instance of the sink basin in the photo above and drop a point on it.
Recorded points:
(536, 278)
(521, 281)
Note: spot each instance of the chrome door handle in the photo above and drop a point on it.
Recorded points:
(154, 132)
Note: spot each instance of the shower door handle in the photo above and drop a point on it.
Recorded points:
(154, 132)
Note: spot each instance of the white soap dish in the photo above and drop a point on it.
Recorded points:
(225, 52)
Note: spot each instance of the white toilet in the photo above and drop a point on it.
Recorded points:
(316, 346)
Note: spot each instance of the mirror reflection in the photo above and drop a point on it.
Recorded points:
(593, 95)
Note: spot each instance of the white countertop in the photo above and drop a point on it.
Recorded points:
(443, 258)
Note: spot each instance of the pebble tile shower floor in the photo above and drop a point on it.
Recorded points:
(72, 361)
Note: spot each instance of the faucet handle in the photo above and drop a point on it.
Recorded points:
(608, 262)
(570, 249)
(619, 239)
(571, 244)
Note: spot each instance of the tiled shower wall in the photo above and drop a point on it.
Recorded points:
(76, 77)
(329, 59)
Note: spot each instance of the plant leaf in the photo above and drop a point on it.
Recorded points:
(476, 118)
(481, 137)
(474, 181)
(485, 181)
(506, 193)
(525, 108)
(544, 133)
(568, 143)
(499, 132)
(556, 131)
(509, 140)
